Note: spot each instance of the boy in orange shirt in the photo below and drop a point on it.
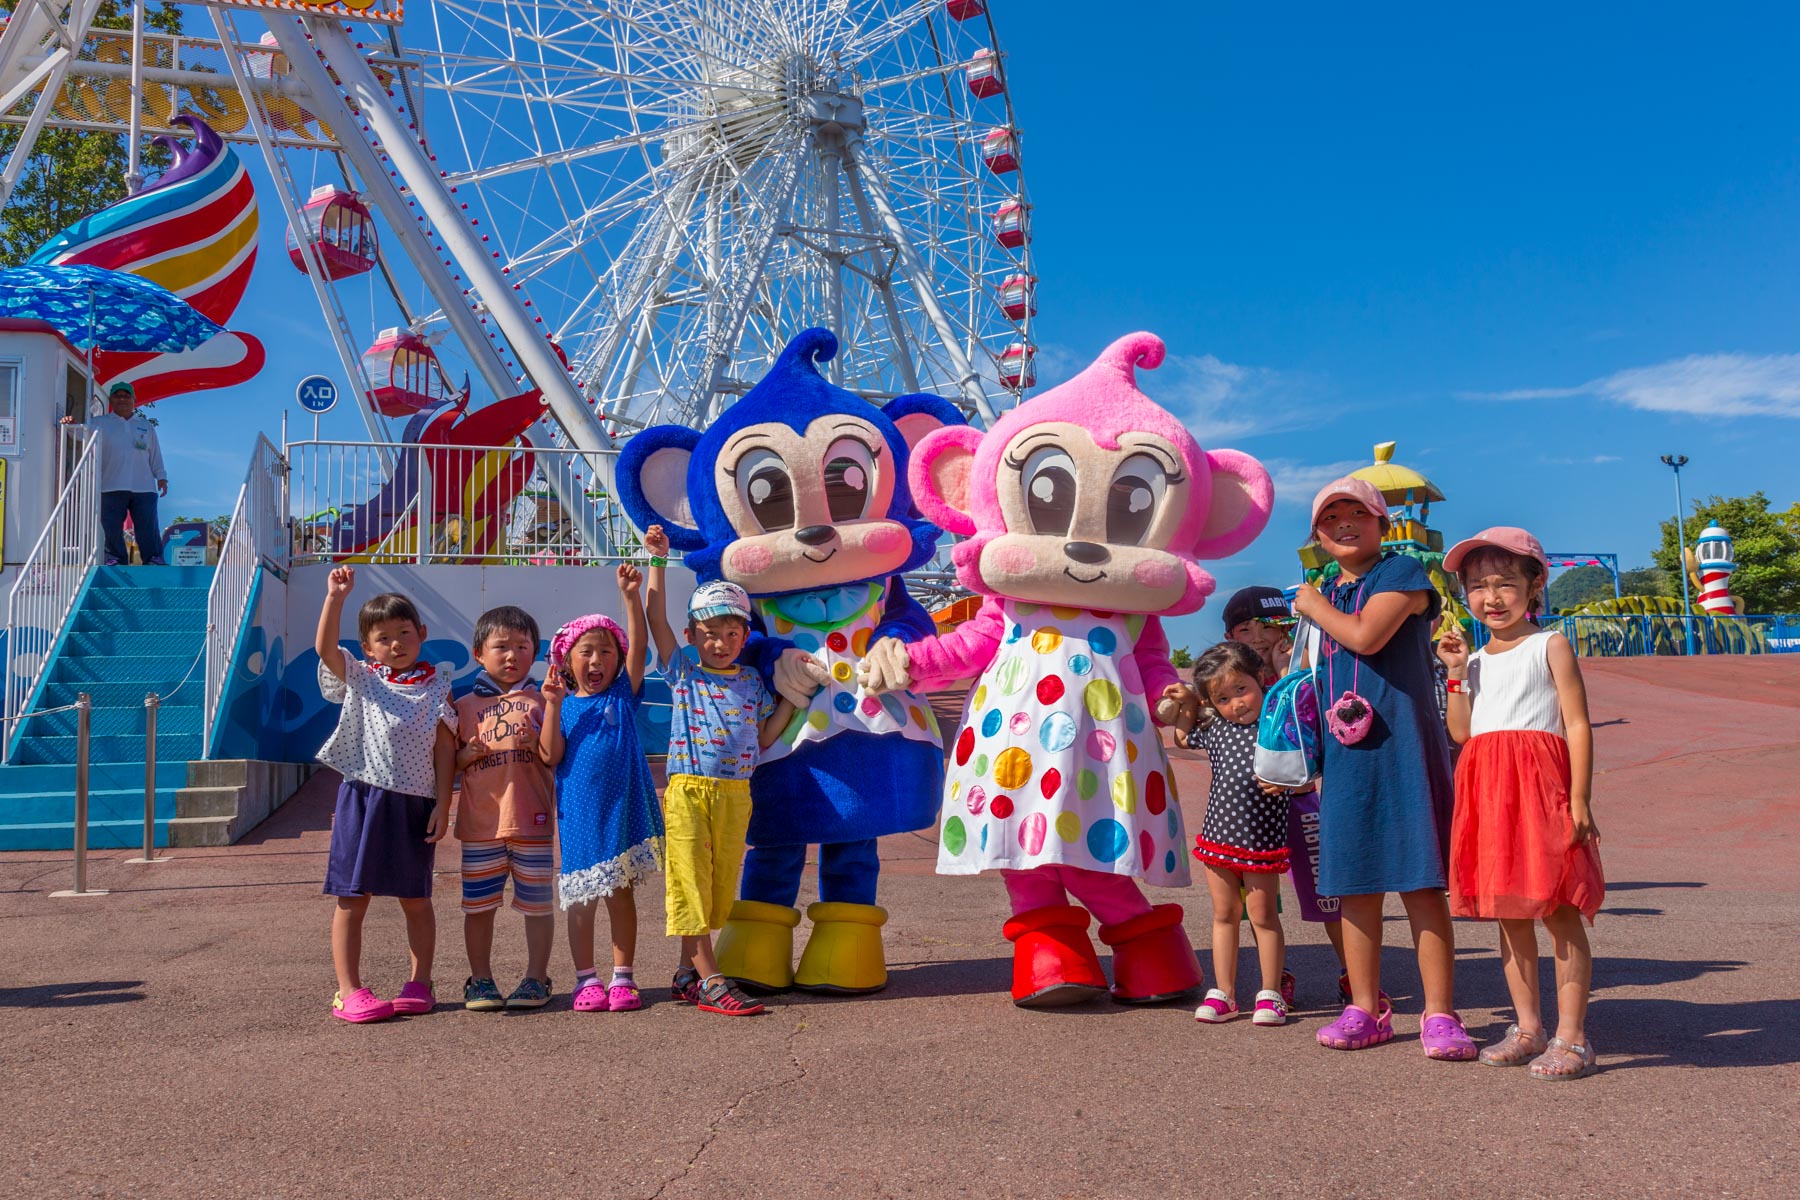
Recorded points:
(504, 818)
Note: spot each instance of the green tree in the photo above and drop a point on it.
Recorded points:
(71, 173)
(1181, 658)
(1648, 581)
(1578, 585)
(1766, 547)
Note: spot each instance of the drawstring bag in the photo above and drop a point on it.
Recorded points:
(1288, 750)
(1350, 717)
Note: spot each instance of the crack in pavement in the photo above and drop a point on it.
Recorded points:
(718, 1126)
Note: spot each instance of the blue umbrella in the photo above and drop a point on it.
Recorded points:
(97, 309)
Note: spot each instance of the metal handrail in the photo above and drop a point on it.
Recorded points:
(257, 536)
(48, 585)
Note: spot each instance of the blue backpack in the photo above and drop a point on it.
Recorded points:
(1288, 735)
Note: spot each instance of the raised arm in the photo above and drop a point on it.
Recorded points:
(630, 583)
(331, 616)
(1363, 632)
(1459, 706)
(656, 598)
(1571, 693)
(550, 737)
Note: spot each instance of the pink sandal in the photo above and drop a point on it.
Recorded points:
(591, 997)
(360, 1007)
(1445, 1039)
(1357, 1029)
(415, 999)
(624, 997)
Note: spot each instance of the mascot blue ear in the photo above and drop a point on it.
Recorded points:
(918, 414)
(653, 483)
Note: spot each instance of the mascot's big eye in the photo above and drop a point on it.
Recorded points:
(1049, 481)
(1131, 502)
(849, 478)
(766, 489)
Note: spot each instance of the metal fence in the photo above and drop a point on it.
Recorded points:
(48, 585)
(1647, 634)
(360, 502)
(257, 537)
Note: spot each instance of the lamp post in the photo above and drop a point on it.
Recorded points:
(1675, 462)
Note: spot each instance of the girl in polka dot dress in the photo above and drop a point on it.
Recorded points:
(1243, 841)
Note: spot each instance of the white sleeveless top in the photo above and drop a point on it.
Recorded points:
(1514, 689)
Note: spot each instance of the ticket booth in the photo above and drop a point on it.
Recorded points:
(42, 379)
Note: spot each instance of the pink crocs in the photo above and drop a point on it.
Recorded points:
(360, 1007)
(624, 997)
(414, 998)
(1358, 1028)
(591, 997)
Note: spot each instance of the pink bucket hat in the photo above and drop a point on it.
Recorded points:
(566, 637)
(1510, 538)
(1349, 488)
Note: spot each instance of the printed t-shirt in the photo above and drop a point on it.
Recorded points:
(506, 793)
(717, 717)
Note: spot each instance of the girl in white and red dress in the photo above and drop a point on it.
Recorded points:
(1243, 841)
(1523, 846)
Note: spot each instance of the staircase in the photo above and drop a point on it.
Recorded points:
(136, 630)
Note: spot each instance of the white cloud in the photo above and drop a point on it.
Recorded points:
(1215, 399)
(1298, 482)
(1589, 461)
(1707, 385)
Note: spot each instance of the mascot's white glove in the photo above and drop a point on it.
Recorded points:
(798, 675)
(887, 667)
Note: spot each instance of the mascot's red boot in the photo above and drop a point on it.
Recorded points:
(1053, 961)
(1152, 957)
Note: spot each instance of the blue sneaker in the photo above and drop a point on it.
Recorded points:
(482, 995)
(531, 993)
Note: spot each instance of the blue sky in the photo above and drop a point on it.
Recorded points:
(1538, 248)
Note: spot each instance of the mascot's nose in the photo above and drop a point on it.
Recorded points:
(815, 535)
(1086, 552)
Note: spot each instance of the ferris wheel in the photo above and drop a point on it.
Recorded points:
(679, 186)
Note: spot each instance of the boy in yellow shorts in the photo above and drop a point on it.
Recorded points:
(723, 718)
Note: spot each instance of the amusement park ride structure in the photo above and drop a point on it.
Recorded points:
(626, 210)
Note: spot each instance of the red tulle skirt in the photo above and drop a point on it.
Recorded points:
(1510, 852)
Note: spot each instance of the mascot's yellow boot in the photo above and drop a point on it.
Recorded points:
(844, 953)
(756, 946)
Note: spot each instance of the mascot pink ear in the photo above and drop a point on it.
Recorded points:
(1242, 497)
(941, 476)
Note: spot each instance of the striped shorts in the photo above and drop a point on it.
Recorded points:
(485, 866)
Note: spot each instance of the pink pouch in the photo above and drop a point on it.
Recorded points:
(1350, 717)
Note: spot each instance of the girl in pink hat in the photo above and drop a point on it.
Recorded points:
(1385, 805)
(1523, 847)
(608, 823)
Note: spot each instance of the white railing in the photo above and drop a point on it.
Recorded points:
(48, 585)
(256, 538)
(410, 503)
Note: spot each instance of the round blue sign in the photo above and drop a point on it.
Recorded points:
(316, 394)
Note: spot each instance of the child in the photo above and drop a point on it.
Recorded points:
(1384, 815)
(503, 815)
(1243, 841)
(723, 718)
(395, 747)
(606, 815)
(1259, 618)
(1523, 847)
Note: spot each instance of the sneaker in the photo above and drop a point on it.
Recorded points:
(1271, 1009)
(623, 996)
(1216, 1009)
(1288, 987)
(685, 987)
(591, 996)
(719, 995)
(414, 999)
(360, 1007)
(532, 992)
(482, 995)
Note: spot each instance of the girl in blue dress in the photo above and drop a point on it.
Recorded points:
(1384, 809)
(607, 819)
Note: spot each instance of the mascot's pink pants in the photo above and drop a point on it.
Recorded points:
(1111, 898)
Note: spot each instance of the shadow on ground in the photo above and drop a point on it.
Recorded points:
(72, 995)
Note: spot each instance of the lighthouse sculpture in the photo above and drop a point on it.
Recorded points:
(1713, 565)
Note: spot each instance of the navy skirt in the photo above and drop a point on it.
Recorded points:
(378, 845)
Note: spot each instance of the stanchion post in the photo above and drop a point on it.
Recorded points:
(152, 702)
(84, 712)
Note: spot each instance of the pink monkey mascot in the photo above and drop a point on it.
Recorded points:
(1086, 510)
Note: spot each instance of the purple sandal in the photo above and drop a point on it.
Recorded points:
(1356, 1029)
(1444, 1038)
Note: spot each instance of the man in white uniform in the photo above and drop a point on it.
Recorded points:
(131, 476)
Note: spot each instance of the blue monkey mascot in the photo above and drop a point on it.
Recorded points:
(798, 494)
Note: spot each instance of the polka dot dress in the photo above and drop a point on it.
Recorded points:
(1244, 829)
(1058, 761)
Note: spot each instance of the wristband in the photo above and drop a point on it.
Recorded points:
(1456, 686)
(656, 561)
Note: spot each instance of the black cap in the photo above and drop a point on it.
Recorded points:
(1251, 603)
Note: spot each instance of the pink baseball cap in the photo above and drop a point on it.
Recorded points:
(1509, 538)
(1349, 488)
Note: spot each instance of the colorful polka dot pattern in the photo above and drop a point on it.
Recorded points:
(1058, 761)
(841, 704)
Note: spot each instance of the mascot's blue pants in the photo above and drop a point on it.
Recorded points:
(847, 873)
